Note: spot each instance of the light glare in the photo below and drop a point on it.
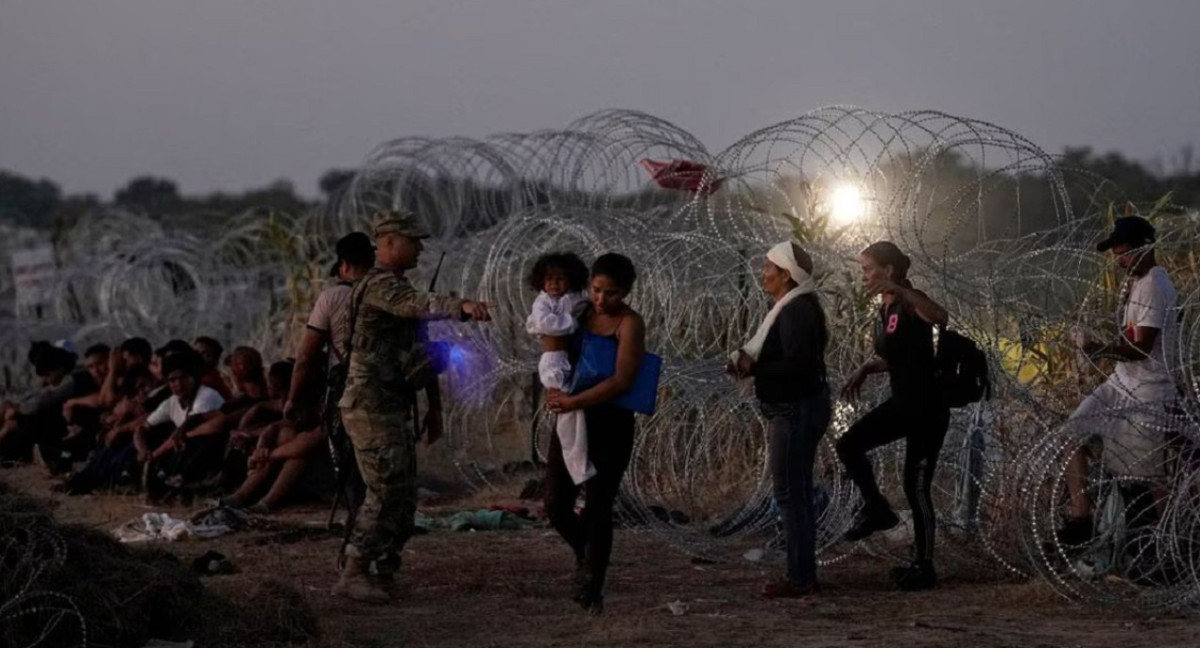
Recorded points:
(847, 204)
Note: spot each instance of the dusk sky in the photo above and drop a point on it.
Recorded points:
(230, 94)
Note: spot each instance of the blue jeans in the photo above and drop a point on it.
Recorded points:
(795, 434)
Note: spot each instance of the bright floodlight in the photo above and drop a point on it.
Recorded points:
(847, 204)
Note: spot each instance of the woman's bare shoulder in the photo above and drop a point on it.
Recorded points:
(632, 321)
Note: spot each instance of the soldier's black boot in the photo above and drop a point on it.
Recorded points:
(356, 585)
(386, 569)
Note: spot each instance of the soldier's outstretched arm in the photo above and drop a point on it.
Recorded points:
(402, 300)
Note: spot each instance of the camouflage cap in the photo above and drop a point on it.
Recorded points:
(397, 221)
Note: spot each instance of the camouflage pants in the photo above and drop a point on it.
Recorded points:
(386, 451)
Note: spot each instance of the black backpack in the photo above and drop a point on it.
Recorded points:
(962, 370)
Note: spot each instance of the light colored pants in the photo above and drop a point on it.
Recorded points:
(1131, 424)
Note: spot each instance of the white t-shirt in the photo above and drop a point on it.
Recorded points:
(207, 400)
(1152, 304)
(555, 316)
(331, 315)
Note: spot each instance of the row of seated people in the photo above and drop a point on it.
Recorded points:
(168, 422)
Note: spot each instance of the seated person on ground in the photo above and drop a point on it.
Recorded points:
(36, 419)
(210, 352)
(209, 377)
(84, 413)
(136, 403)
(132, 354)
(249, 378)
(133, 406)
(259, 415)
(116, 458)
(282, 457)
(252, 389)
(189, 405)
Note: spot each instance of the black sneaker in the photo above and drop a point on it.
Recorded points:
(870, 520)
(586, 591)
(1075, 531)
(915, 576)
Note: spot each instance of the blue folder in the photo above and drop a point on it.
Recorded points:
(598, 361)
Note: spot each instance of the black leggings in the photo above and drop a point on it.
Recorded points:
(590, 536)
(923, 425)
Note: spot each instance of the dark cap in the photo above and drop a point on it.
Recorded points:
(1131, 230)
(354, 248)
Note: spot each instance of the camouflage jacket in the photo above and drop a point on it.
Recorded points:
(387, 361)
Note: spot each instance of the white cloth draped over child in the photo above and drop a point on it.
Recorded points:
(557, 317)
(782, 256)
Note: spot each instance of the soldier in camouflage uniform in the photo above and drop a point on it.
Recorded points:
(388, 366)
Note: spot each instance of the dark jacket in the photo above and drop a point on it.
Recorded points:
(791, 365)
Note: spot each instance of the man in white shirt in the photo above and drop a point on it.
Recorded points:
(190, 402)
(1130, 411)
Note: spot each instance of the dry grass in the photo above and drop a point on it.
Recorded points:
(66, 584)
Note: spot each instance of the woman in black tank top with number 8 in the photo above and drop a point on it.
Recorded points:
(916, 410)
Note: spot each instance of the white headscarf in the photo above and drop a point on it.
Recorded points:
(782, 256)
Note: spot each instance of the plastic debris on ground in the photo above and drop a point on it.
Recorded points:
(494, 519)
(678, 608)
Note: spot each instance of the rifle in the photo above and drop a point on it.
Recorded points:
(423, 337)
(335, 437)
(338, 429)
(436, 272)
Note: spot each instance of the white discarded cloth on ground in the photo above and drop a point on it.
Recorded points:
(161, 526)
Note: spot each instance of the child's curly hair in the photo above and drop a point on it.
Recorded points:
(569, 262)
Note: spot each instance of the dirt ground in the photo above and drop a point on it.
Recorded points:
(511, 588)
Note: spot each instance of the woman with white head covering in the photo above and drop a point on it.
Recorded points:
(786, 358)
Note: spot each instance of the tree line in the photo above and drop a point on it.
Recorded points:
(41, 203)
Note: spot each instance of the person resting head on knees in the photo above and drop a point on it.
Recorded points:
(36, 419)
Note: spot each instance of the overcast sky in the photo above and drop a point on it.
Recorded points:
(235, 93)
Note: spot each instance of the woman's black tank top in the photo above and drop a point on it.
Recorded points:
(905, 341)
